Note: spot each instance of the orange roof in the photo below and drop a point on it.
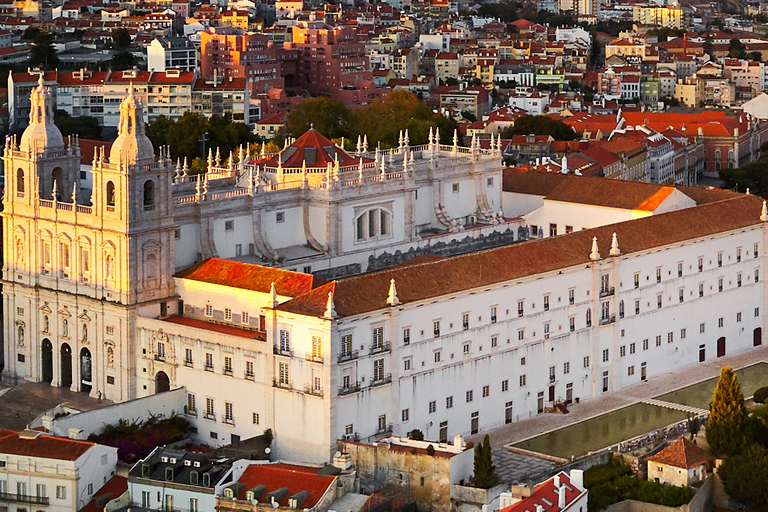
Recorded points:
(682, 454)
(247, 276)
(220, 328)
(116, 486)
(368, 292)
(312, 148)
(295, 478)
(546, 496)
(44, 446)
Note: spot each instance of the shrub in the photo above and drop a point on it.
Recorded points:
(761, 395)
(135, 440)
(417, 435)
(611, 470)
(431, 450)
(630, 488)
(268, 437)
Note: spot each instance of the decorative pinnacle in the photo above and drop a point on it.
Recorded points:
(392, 299)
(273, 295)
(330, 308)
(595, 254)
(764, 213)
(614, 246)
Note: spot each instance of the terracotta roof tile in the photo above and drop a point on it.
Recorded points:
(44, 446)
(368, 292)
(682, 454)
(295, 478)
(546, 490)
(250, 277)
(220, 328)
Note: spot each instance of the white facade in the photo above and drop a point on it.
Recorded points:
(38, 477)
(171, 53)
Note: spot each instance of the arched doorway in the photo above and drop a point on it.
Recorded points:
(162, 382)
(47, 361)
(85, 371)
(66, 366)
(57, 178)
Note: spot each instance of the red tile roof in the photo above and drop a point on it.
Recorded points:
(220, 328)
(313, 144)
(368, 292)
(247, 276)
(295, 478)
(44, 446)
(116, 486)
(682, 454)
(546, 491)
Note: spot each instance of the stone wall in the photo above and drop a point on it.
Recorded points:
(472, 499)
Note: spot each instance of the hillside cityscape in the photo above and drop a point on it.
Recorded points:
(394, 256)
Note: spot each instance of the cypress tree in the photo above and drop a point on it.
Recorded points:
(485, 473)
(727, 416)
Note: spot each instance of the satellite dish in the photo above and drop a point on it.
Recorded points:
(267, 450)
(337, 454)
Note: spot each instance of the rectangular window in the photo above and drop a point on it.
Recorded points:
(466, 348)
(571, 296)
(377, 337)
(209, 411)
(255, 418)
(701, 264)
(470, 395)
(432, 406)
(285, 341)
(757, 275)
(208, 310)
(406, 336)
(449, 402)
(249, 370)
(486, 391)
(720, 322)
(436, 328)
(636, 280)
(701, 328)
(631, 370)
(701, 289)
(283, 374)
(719, 259)
(110, 329)
(738, 317)
(566, 368)
(670, 337)
(572, 324)
(680, 270)
(659, 301)
(280, 217)
(658, 340)
(521, 334)
(494, 341)
(346, 345)
(546, 331)
(586, 361)
(227, 366)
(658, 275)
(631, 348)
(645, 344)
(465, 321)
(208, 362)
(605, 355)
(504, 385)
(738, 280)
(520, 308)
(681, 295)
(437, 356)
(227, 314)
(493, 315)
(637, 307)
(229, 225)
(407, 364)
(405, 414)
(317, 348)
(738, 254)
(522, 380)
(754, 250)
(228, 412)
(546, 303)
(622, 351)
(378, 370)
(61, 492)
(244, 317)
(682, 334)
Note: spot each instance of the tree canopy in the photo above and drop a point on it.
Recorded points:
(745, 475)
(540, 125)
(752, 176)
(86, 127)
(42, 54)
(121, 37)
(329, 117)
(727, 416)
(485, 475)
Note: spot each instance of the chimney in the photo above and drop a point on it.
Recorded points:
(539, 508)
(561, 497)
(557, 480)
(577, 479)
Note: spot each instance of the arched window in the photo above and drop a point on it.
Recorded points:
(150, 267)
(57, 177)
(717, 154)
(373, 223)
(110, 357)
(65, 328)
(19, 251)
(730, 156)
(45, 323)
(85, 332)
(110, 194)
(20, 338)
(149, 195)
(589, 317)
(20, 182)
(621, 309)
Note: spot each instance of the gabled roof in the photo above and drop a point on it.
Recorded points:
(13, 442)
(116, 486)
(546, 495)
(365, 293)
(312, 148)
(251, 277)
(294, 478)
(682, 454)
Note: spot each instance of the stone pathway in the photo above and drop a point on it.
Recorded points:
(669, 405)
(517, 468)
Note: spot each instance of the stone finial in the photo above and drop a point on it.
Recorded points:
(210, 158)
(330, 308)
(764, 213)
(406, 140)
(431, 136)
(400, 139)
(437, 137)
(54, 190)
(359, 146)
(240, 158)
(392, 299)
(614, 246)
(231, 165)
(74, 193)
(185, 169)
(273, 295)
(205, 184)
(383, 166)
(218, 157)
(360, 170)
(365, 143)
(595, 254)
(747, 190)
(263, 149)
(455, 139)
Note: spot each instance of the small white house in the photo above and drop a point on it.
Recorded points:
(682, 463)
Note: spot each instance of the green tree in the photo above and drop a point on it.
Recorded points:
(727, 415)
(121, 37)
(540, 125)
(736, 49)
(122, 60)
(329, 117)
(756, 56)
(84, 126)
(485, 475)
(42, 54)
(30, 33)
(745, 475)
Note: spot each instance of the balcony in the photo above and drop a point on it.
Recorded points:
(607, 320)
(209, 368)
(348, 356)
(280, 383)
(228, 420)
(380, 348)
(386, 379)
(385, 429)
(249, 376)
(348, 390)
(309, 356)
(24, 498)
(607, 292)
(310, 390)
(160, 357)
(228, 371)
(188, 363)
(190, 411)
(281, 351)
(210, 415)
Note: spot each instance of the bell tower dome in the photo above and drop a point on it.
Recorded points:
(41, 134)
(132, 144)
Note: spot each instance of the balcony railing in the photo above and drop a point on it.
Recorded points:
(348, 356)
(607, 292)
(188, 363)
(386, 429)
(24, 498)
(210, 415)
(311, 390)
(209, 368)
(309, 356)
(386, 379)
(160, 357)
(227, 420)
(607, 320)
(279, 383)
(249, 376)
(281, 351)
(348, 390)
(381, 347)
(190, 411)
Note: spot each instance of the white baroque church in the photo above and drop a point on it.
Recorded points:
(151, 284)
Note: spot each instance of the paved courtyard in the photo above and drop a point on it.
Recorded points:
(21, 404)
